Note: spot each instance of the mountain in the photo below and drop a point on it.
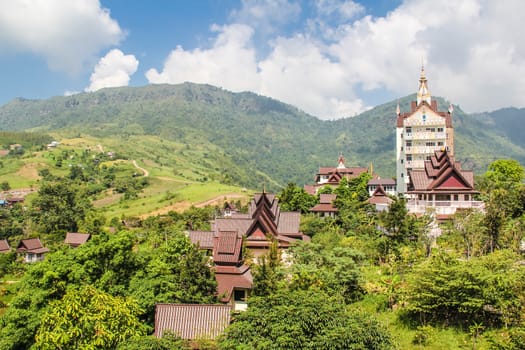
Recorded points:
(254, 139)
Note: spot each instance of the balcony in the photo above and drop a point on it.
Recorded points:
(425, 135)
(442, 207)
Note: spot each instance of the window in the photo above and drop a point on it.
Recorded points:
(409, 157)
(430, 144)
(467, 197)
(440, 143)
(239, 295)
(431, 129)
(409, 130)
(440, 129)
(402, 175)
(409, 143)
(401, 161)
(456, 197)
(428, 158)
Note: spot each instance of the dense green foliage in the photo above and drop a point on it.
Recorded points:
(114, 268)
(303, 319)
(88, 319)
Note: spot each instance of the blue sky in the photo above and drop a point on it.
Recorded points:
(331, 58)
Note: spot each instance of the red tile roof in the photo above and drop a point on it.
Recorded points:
(75, 239)
(192, 321)
(4, 246)
(441, 174)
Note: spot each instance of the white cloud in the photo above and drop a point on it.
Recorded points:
(113, 70)
(472, 49)
(68, 34)
(230, 63)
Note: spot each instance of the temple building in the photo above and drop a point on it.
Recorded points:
(419, 133)
(441, 187)
(331, 176)
(256, 230)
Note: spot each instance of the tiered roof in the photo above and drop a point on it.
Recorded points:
(325, 204)
(263, 222)
(442, 174)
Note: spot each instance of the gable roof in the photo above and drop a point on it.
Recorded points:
(192, 321)
(31, 245)
(231, 277)
(227, 248)
(379, 196)
(441, 174)
(75, 239)
(4, 246)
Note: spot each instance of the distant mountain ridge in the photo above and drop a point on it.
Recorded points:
(270, 141)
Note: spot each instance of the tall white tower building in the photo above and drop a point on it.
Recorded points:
(420, 132)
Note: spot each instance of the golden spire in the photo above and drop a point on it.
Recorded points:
(398, 110)
(423, 94)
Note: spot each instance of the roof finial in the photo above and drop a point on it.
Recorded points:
(450, 109)
(423, 94)
(264, 187)
(341, 161)
(398, 110)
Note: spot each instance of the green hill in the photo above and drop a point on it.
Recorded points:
(243, 138)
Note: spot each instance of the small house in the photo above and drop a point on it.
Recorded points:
(33, 249)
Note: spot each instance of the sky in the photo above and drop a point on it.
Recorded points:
(330, 58)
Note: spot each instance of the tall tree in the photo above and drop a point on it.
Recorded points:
(59, 207)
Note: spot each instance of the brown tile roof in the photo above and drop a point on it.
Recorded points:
(324, 208)
(289, 222)
(4, 246)
(383, 182)
(227, 247)
(310, 189)
(327, 198)
(31, 245)
(204, 239)
(75, 239)
(192, 321)
(231, 277)
(379, 196)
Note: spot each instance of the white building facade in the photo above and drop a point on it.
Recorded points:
(419, 133)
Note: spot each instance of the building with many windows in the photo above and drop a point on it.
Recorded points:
(419, 133)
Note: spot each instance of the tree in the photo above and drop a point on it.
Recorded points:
(88, 319)
(294, 198)
(59, 207)
(303, 319)
(268, 273)
(503, 173)
(450, 291)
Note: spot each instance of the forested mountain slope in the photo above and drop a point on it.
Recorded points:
(266, 141)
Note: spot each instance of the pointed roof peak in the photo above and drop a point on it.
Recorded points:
(398, 110)
(423, 94)
(341, 161)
